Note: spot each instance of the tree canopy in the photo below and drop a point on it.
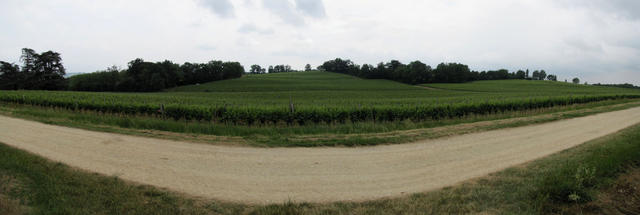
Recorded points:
(40, 71)
(417, 72)
(143, 76)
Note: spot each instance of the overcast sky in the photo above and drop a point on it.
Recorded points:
(596, 40)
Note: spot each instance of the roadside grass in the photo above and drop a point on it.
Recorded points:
(622, 197)
(571, 181)
(54, 188)
(350, 134)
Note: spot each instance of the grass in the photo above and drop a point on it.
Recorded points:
(322, 95)
(545, 186)
(350, 134)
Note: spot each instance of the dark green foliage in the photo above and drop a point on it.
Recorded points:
(419, 73)
(10, 76)
(101, 81)
(42, 71)
(257, 69)
(301, 115)
(142, 76)
(576, 80)
(280, 69)
(625, 85)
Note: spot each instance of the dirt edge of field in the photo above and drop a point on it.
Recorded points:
(277, 175)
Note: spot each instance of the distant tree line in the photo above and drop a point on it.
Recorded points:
(625, 85)
(143, 76)
(44, 71)
(257, 69)
(39, 71)
(417, 72)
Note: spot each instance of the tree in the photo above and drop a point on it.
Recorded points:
(10, 76)
(142, 76)
(419, 73)
(535, 75)
(42, 71)
(307, 67)
(232, 70)
(365, 71)
(270, 69)
(576, 80)
(100, 81)
(542, 75)
(451, 73)
(552, 78)
(256, 69)
(520, 75)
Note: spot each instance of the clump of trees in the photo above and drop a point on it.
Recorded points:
(417, 72)
(143, 76)
(39, 71)
(281, 69)
(257, 69)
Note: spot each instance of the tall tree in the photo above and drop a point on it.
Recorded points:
(542, 75)
(42, 71)
(307, 67)
(535, 75)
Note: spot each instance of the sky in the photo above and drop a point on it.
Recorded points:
(595, 40)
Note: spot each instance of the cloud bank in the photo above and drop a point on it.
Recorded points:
(595, 40)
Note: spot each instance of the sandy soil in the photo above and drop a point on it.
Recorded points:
(276, 175)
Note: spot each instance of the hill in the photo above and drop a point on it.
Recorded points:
(293, 81)
(327, 97)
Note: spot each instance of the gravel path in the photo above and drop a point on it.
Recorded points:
(276, 175)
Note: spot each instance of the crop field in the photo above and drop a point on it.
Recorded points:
(322, 97)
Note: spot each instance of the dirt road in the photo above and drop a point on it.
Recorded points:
(276, 175)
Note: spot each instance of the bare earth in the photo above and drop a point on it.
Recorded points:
(276, 175)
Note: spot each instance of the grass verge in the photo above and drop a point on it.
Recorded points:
(358, 134)
(571, 181)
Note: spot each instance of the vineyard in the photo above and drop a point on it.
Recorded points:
(320, 97)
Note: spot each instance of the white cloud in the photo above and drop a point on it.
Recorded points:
(223, 8)
(313, 8)
(596, 40)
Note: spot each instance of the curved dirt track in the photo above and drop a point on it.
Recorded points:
(276, 175)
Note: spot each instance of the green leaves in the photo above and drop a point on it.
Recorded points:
(172, 107)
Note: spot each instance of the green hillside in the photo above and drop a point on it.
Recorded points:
(532, 87)
(294, 81)
(327, 97)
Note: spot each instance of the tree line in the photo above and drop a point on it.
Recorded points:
(143, 76)
(417, 72)
(257, 69)
(44, 71)
(625, 85)
(39, 71)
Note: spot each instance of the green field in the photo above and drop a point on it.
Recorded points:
(325, 98)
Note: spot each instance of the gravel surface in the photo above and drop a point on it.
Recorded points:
(276, 175)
